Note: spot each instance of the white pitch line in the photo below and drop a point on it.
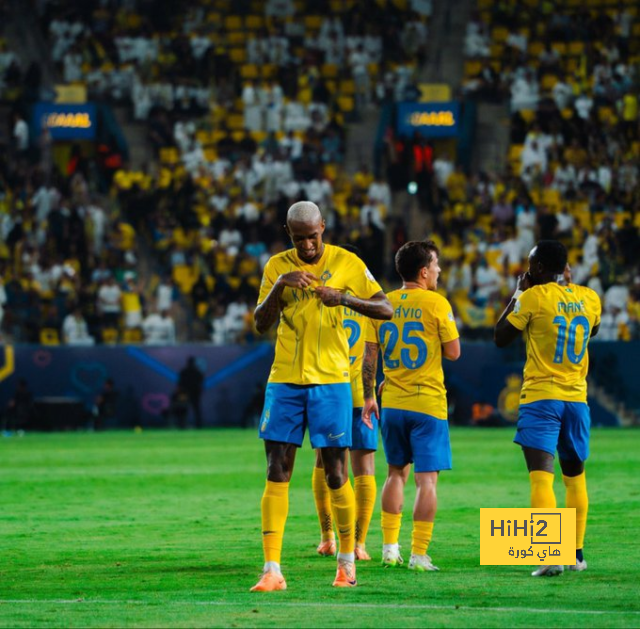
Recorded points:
(280, 604)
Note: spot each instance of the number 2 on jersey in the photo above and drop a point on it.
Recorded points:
(569, 331)
(391, 329)
(354, 334)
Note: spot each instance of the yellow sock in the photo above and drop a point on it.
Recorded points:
(421, 537)
(365, 487)
(343, 505)
(542, 490)
(578, 499)
(275, 507)
(391, 527)
(323, 503)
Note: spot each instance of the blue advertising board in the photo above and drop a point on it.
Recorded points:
(66, 122)
(430, 120)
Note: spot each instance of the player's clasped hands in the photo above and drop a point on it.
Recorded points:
(298, 279)
(329, 296)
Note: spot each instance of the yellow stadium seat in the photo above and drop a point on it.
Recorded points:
(49, 336)
(472, 68)
(269, 71)
(236, 38)
(499, 34)
(346, 103)
(575, 48)
(548, 81)
(238, 55)
(373, 69)
(529, 115)
(515, 151)
(347, 87)
(249, 71)
(233, 23)
(211, 155)
(132, 335)
(169, 156)
(535, 48)
(559, 47)
(235, 122)
(313, 22)
(254, 22)
(110, 336)
(329, 70)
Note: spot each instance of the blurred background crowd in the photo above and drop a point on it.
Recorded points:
(231, 111)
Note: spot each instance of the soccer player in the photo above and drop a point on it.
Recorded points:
(362, 452)
(557, 322)
(305, 289)
(414, 414)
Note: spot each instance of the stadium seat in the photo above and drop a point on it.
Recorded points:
(249, 71)
(238, 55)
(254, 22)
(132, 335)
(110, 336)
(233, 23)
(49, 336)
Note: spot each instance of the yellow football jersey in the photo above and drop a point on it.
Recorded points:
(355, 325)
(312, 346)
(557, 322)
(412, 350)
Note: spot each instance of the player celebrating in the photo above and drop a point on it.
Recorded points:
(557, 322)
(309, 380)
(362, 453)
(414, 415)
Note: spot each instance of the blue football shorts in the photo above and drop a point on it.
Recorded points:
(551, 425)
(418, 438)
(325, 409)
(363, 438)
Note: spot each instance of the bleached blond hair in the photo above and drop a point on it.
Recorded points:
(304, 212)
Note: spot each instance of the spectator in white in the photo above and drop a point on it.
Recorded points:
(319, 191)
(20, 135)
(524, 92)
(41, 201)
(517, 40)
(279, 8)
(380, 193)
(443, 167)
(590, 250)
(110, 302)
(159, 329)
(476, 41)
(612, 323)
(370, 214)
(235, 317)
(512, 254)
(273, 108)
(566, 223)
(252, 108)
(291, 145)
(583, 105)
(562, 93)
(247, 210)
(595, 284)
(295, 117)
(74, 329)
(230, 238)
(459, 278)
(564, 176)
(98, 221)
(219, 335)
(616, 297)
(533, 155)
(72, 65)
(487, 281)
(165, 294)
(359, 62)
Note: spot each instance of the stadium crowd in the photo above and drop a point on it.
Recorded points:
(247, 111)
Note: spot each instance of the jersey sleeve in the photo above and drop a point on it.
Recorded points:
(362, 284)
(598, 308)
(269, 277)
(447, 329)
(526, 306)
(371, 331)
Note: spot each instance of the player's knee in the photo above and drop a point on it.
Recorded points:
(278, 471)
(336, 478)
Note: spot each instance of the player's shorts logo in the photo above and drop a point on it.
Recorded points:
(334, 437)
(265, 420)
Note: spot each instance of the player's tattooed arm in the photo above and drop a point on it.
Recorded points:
(267, 313)
(376, 307)
(369, 366)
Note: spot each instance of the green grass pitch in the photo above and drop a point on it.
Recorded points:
(163, 529)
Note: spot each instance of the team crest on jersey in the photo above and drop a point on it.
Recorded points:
(369, 275)
(404, 296)
(326, 276)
